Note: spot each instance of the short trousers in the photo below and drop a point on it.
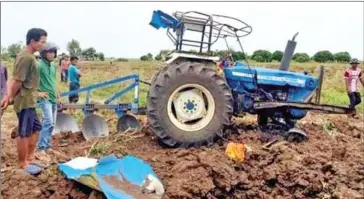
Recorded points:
(73, 98)
(28, 122)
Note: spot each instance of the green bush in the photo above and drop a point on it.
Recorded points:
(262, 56)
(277, 55)
(342, 57)
(323, 56)
(301, 57)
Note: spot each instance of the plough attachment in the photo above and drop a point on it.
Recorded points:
(65, 123)
(126, 122)
(94, 125)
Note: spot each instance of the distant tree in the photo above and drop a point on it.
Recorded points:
(146, 57)
(259, 58)
(221, 53)
(122, 60)
(277, 55)
(89, 53)
(301, 57)
(158, 57)
(323, 56)
(150, 56)
(101, 56)
(262, 56)
(237, 55)
(14, 49)
(4, 54)
(3, 50)
(74, 48)
(342, 57)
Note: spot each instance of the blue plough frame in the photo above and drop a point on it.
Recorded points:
(120, 109)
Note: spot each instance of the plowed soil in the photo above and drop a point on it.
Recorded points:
(329, 165)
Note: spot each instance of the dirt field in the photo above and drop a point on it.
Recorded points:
(329, 165)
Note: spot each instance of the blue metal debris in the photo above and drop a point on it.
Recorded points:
(117, 178)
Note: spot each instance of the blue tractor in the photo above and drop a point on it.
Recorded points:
(189, 104)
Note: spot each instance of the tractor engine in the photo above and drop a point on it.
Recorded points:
(268, 85)
(244, 102)
(279, 95)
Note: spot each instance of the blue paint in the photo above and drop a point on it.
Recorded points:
(120, 109)
(298, 87)
(190, 106)
(163, 20)
(100, 85)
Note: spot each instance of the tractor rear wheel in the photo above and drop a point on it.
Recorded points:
(189, 105)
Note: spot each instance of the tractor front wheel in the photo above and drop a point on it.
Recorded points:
(188, 105)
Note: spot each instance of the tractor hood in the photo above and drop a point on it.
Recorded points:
(299, 87)
(267, 76)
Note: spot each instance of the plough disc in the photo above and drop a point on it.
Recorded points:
(94, 126)
(65, 123)
(127, 121)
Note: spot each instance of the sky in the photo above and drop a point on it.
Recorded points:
(121, 29)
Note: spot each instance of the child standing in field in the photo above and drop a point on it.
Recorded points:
(74, 78)
(48, 101)
(353, 76)
(64, 68)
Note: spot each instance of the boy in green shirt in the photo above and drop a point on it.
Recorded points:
(48, 101)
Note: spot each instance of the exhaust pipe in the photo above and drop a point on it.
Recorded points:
(288, 53)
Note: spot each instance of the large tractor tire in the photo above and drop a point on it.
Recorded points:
(189, 105)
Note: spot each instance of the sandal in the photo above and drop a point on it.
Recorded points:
(31, 169)
(40, 164)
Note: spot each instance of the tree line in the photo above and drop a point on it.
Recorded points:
(73, 47)
(266, 56)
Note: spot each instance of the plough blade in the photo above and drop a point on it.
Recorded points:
(65, 123)
(94, 126)
(127, 122)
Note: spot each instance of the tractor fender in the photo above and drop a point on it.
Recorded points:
(178, 58)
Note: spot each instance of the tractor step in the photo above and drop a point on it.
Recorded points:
(330, 109)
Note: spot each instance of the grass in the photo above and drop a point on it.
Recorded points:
(94, 72)
(99, 149)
